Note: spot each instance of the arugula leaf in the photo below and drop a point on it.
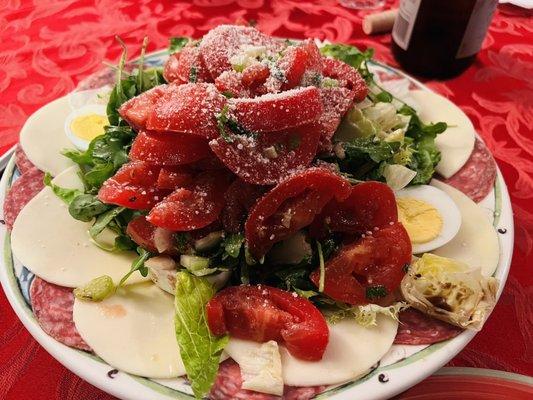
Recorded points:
(137, 265)
(193, 74)
(85, 207)
(384, 97)
(67, 195)
(177, 43)
(233, 243)
(103, 220)
(200, 350)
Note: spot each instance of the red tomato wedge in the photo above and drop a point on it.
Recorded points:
(189, 108)
(276, 112)
(168, 148)
(347, 76)
(255, 75)
(194, 206)
(266, 159)
(224, 42)
(150, 237)
(230, 83)
(186, 66)
(290, 206)
(370, 205)
(304, 59)
(335, 102)
(262, 313)
(137, 110)
(174, 177)
(133, 186)
(239, 198)
(369, 268)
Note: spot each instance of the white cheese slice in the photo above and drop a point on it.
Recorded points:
(476, 243)
(56, 247)
(457, 142)
(133, 331)
(43, 137)
(352, 350)
(261, 369)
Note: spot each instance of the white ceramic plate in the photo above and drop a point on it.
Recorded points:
(402, 367)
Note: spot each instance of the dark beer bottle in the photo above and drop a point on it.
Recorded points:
(440, 38)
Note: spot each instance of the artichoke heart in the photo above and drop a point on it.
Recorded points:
(450, 290)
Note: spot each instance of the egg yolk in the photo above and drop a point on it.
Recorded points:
(421, 220)
(89, 126)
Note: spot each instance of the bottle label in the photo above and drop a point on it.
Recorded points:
(405, 22)
(476, 28)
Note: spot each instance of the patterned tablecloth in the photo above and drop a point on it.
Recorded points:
(46, 47)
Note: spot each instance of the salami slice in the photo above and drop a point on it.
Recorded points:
(228, 387)
(21, 159)
(476, 178)
(418, 328)
(52, 306)
(23, 190)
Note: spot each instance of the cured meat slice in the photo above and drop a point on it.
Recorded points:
(417, 328)
(22, 161)
(229, 381)
(23, 190)
(476, 178)
(52, 306)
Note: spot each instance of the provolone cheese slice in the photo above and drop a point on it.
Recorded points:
(457, 142)
(352, 350)
(56, 247)
(133, 330)
(476, 243)
(43, 137)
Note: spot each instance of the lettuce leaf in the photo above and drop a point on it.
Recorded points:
(200, 350)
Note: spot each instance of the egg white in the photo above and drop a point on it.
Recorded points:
(446, 207)
(88, 109)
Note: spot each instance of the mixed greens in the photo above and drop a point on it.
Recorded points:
(380, 138)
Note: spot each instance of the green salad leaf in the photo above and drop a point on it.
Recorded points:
(137, 265)
(84, 207)
(177, 43)
(67, 195)
(200, 350)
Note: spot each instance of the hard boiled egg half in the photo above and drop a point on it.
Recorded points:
(429, 215)
(88, 116)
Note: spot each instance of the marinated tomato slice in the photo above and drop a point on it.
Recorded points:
(174, 177)
(276, 112)
(168, 148)
(268, 157)
(224, 43)
(262, 313)
(133, 186)
(290, 206)
(189, 108)
(347, 76)
(186, 66)
(239, 199)
(368, 269)
(194, 206)
(370, 205)
(137, 110)
(150, 237)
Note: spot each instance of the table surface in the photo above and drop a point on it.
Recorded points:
(46, 47)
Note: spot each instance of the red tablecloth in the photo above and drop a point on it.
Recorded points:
(46, 47)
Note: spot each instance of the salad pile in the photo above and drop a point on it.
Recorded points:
(253, 177)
